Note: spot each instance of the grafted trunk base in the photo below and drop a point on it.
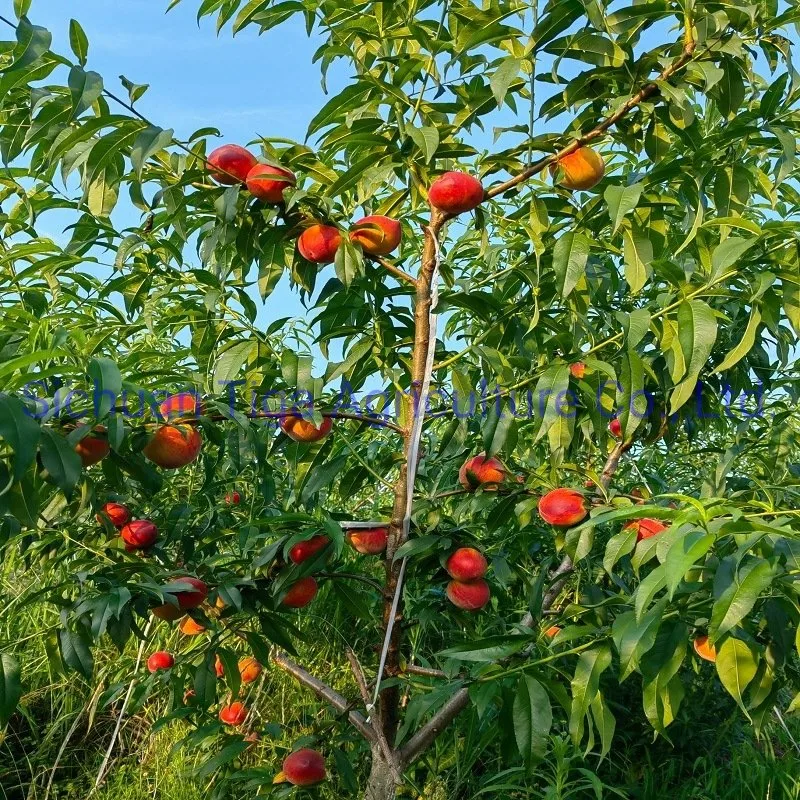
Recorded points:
(381, 785)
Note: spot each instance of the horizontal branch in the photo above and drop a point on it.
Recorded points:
(325, 692)
(394, 270)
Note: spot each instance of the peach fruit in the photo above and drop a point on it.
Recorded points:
(581, 169)
(160, 660)
(174, 446)
(481, 471)
(302, 551)
(304, 430)
(300, 594)
(267, 182)
(563, 508)
(230, 164)
(377, 235)
(467, 564)
(140, 534)
(368, 541)
(319, 243)
(455, 193)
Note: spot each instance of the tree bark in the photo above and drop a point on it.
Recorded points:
(381, 784)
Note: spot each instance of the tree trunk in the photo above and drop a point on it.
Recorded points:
(381, 785)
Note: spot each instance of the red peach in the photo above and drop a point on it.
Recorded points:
(578, 369)
(233, 498)
(304, 430)
(563, 507)
(183, 404)
(615, 428)
(233, 714)
(267, 182)
(377, 235)
(319, 243)
(302, 551)
(302, 768)
(469, 596)
(581, 169)
(93, 448)
(139, 534)
(174, 446)
(249, 669)
(645, 528)
(193, 597)
(231, 164)
(455, 193)
(300, 594)
(160, 660)
(467, 564)
(116, 513)
(219, 669)
(481, 471)
(368, 541)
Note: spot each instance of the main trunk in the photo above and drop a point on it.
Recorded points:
(381, 785)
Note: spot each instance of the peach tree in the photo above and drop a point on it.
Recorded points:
(533, 447)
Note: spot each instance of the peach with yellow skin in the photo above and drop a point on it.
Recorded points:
(319, 243)
(581, 169)
(249, 669)
(368, 541)
(190, 627)
(174, 446)
(304, 430)
(183, 404)
(705, 649)
(377, 235)
(481, 471)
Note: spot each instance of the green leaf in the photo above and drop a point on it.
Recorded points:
(697, 332)
(737, 664)
(621, 200)
(634, 637)
(503, 77)
(533, 718)
(135, 90)
(739, 597)
(229, 363)
(10, 687)
(78, 41)
(570, 254)
(549, 397)
(492, 648)
(60, 460)
(585, 686)
(728, 253)
(75, 653)
(791, 304)
(228, 753)
(637, 252)
(619, 545)
(21, 8)
(685, 552)
(745, 344)
(349, 262)
(106, 385)
(149, 142)
(426, 139)
(20, 432)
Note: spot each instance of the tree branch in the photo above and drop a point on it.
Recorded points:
(324, 692)
(426, 735)
(394, 270)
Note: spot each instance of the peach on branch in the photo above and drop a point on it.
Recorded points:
(249, 669)
(468, 595)
(116, 513)
(377, 235)
(467, 564)
(174, 446)
(481, 471)
(140, 534)
(455, 193)
(219, 669)
(160, 660)
(581, 169)
(194, 596)
(233, 498)
(563, 508)
(183, 404)
(302, 768)
(552, 632)
(94, 447)
(705, 649)
(319, 243)
(233, 714)
(231, 164)
(267, 182)
(300, 594)
(302, 551)
(615, 428)
(368, 541)
(190, 627)
(578, 369)
(646, 528)
(304, 430)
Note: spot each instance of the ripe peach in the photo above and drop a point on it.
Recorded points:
(581, 169)
(249, 669)
(645, 528)
(455, 193)
(467, 564)
(139, 534)
(167, 612)
(190, 627)
(377, 235)
(303, 768)
(704, 649)
(319, 243)
(116, 513)
(481, 471)
(231, 164)
(183, 404)
(563, 507)
(578, 369)
(302, 551)
(368, 541)
(615, 428)
(194, 596)
(160, 660)
(219, 669)
(174, 446)
(233, 498)
(233, 714)
(301, 593)
(552, 632)
(469, 596)
(94, 447)
(267, 182)
(304, 430)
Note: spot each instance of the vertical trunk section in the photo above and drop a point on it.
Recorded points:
(381, 785)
